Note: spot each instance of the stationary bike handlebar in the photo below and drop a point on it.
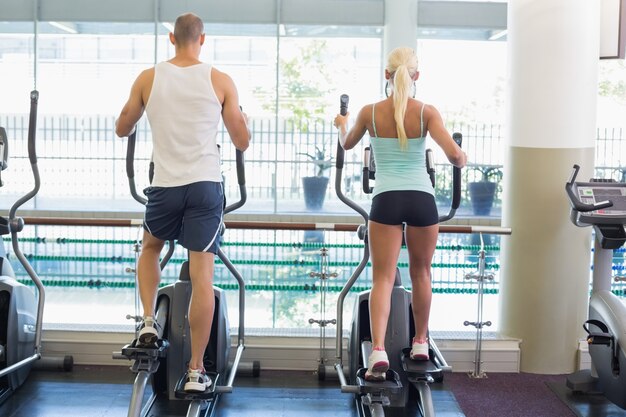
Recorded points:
(575, 202)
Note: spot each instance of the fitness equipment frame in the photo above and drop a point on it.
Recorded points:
(165, 364)
(324, 275)
(21, 312)
(602, 204)
(373, 397)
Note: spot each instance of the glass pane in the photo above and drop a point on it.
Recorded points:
(610, 144)
(313, 73)
(85, 270)
(16, 81)
(85, 71)
(465, 81)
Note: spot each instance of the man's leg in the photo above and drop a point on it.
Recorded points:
(149, 272)
(148, 277)
(201, 307)
(200, 235)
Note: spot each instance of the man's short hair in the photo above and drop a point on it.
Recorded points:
(187, 28)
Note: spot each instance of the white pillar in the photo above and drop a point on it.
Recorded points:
(400, 25)
(553, 72)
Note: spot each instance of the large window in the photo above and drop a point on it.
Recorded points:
(289, 77)
(466, 80)
(289, 80)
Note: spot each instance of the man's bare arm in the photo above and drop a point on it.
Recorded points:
(133, 109)
(235, 120)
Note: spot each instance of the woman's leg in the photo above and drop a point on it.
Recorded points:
(384, 242)
(421, 243)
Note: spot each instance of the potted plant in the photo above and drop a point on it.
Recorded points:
(315, 186)
(482, 193)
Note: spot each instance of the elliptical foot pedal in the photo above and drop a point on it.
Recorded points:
(391, 384)
(133, 351)
(207, 394)
(418, 371)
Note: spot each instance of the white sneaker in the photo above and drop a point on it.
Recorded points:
(377, 366)
(197, 381)
(419, 351)
(148, 332)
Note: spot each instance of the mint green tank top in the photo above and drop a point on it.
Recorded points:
(400, 169)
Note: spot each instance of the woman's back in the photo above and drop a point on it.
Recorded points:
(399, 168)
(386, 125)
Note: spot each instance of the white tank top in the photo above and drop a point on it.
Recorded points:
(184, 114)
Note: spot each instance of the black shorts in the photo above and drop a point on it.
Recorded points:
(191, 214)
(415, 208)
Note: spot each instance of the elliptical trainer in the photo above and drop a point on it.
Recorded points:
(372, 398)
(602, 204)
(165, 364)
(21, 312)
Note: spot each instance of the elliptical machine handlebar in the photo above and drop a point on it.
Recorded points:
(16, 224)
(456, 185)
(32, 156)
(130, 173)
(575, 202)
(130, 168)
(241, 180)
(343, 110)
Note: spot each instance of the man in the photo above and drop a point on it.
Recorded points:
(184, 100)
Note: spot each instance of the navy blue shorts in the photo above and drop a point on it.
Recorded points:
(415, 208)
(191, 214)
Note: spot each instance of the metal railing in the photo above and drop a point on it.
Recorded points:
(79, 264)
(82, 164)
(90, 263)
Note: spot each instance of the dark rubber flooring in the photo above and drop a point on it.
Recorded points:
(105, 391)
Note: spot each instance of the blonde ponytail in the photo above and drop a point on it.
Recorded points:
(402, 64)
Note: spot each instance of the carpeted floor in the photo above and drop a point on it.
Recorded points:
(508, 395)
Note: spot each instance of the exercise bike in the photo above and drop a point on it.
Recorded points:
(21, 312)
(165, 364)
(602, 204)
(393, 394)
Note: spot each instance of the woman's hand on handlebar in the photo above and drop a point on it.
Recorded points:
(341, 122)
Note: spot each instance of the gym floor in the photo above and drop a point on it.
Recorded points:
(105, 391)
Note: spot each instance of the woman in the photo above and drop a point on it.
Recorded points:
(403, 195)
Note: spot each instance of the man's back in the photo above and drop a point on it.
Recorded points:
(184, 115)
